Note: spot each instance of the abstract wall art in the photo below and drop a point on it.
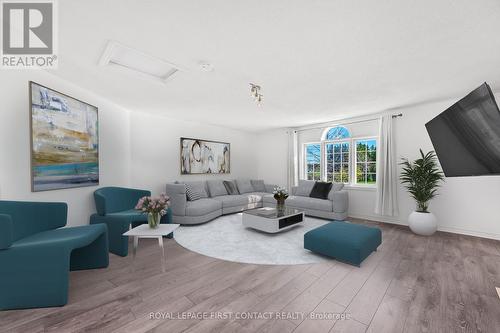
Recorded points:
(64, 141)
(204, 156)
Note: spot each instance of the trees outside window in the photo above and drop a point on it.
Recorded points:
(342, 158)
(313, 161)
(366, 161)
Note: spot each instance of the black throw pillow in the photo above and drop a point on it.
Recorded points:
(320, 190)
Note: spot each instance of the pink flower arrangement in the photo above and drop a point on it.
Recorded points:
(154, 205)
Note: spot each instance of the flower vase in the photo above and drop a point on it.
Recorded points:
(154, 220)
(280, 204)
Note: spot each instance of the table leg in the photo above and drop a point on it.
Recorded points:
(136, 242)
(160, 241)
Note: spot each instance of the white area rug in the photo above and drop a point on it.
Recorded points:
(225, 238)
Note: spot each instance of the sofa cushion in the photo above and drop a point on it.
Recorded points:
(258, 185)
(202, 207)
(232, 200)
(244, 186)
(131, 215)
(196, 190)
(216, 188)
(72, 238)
(320, 190)
(231, 187)
(305, 187)
(335, 188)
(309, 203)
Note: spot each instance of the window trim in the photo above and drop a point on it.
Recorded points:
(364, 138)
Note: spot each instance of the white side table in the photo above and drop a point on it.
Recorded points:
(144, 231)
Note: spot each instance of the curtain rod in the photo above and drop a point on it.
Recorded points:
(347, 123)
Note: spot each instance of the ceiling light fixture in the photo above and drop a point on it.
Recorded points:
(255, 93)
(206, 66)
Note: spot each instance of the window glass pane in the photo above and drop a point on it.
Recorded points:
(372, 145)
(372, 156)
(337, 155)
(366, 158)
(313, 161)
(336, 133)
(360, 146)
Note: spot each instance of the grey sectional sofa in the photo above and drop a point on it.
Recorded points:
(335, 208)
(218, 202)
(252, 194)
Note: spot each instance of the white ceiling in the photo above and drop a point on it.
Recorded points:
(315, 60)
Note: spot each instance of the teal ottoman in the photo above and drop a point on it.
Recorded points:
(344, 241)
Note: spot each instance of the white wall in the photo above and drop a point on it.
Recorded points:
(465, 205)
(155, 150)
(136, 149)
(15, 143)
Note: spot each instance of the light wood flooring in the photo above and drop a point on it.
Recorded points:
(443, 283)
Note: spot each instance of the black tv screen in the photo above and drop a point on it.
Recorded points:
(466, 136)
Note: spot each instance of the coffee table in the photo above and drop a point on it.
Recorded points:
(272, 220)
(144, 231)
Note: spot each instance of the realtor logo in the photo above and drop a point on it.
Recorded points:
(28, 34)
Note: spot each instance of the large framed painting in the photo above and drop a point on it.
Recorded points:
(64, 141)
(204, 156)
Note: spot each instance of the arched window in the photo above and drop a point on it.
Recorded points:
(342, 158)
(336, 133)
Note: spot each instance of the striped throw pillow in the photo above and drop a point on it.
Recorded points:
(194, 192)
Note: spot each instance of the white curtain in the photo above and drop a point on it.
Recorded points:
(387, 181)
(293, 159)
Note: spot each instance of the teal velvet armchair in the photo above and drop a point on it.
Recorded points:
(36, 253)
(116, 208)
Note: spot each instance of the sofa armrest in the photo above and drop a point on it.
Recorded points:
(177, 194)
(294, 190)
(340, 201)
(270, 188)
(6, 231)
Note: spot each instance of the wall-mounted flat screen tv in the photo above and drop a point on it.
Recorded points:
(466, 136)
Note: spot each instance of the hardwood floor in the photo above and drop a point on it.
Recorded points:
(443, 283)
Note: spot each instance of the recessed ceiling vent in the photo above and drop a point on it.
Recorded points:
(117, 54)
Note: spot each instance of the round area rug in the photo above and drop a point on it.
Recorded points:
(227, 239)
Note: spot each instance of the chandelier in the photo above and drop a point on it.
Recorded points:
(255, 92)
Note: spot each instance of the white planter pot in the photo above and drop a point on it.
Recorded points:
(424, 224)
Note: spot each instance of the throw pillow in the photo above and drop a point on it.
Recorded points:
(195, 190)
(244, 186)
(231, 187)
(258, 185)
(335, 188)
(305, 187)
(320, 190)
(216, 188)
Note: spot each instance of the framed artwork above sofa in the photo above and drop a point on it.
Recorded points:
(204, 156)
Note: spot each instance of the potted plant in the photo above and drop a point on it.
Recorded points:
(155, 207)
(280, 194)
(422, 179)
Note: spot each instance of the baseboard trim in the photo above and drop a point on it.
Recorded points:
(454, 230)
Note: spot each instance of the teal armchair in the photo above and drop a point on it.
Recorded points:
(116, 208)
(36, 253)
